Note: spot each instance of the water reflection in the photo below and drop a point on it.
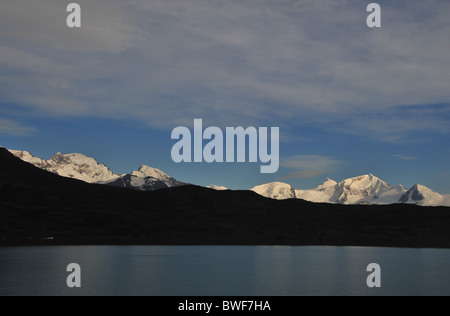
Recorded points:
(223, 271)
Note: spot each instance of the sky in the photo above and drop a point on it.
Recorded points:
(349, 100)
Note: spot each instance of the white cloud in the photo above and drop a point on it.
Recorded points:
(402, 157)
(229, 62)
(396, 124)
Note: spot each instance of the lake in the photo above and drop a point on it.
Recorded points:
(223, 271)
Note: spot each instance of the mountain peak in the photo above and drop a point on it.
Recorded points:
(80, 158)
(420, 187)
(217, 187)
(276, 190)
(146, 171)
(21, 153)
(354, 190)
(422, 195)
(365, 180)
(77, 166)
(146, 179)
(364, 177)
(87, 169)
(328, 183)
(28, 157)
(144, 168)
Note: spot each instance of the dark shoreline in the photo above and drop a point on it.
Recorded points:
(137, 244)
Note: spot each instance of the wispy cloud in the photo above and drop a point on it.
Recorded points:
(302, 175)
(231, 62)
(13, 128)
(310, 162)
(402, 157)
(309, 166)
(396, 124)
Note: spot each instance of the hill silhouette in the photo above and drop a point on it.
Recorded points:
(41, 208)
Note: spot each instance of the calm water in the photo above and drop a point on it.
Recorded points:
(223, 271)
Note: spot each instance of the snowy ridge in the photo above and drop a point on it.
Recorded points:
(144, 183)
(81, 167)
(322, 194)
(390, 196)
(276, 190)
(146, 179)
(146, 171)
(76, 166)
(359, 189)
(421, 195)
(217, 187)
(366, 189)
(327, 184)
(27, 157)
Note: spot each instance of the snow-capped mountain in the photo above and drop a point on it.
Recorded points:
(421, 195)
(327, 184)
(366, 189)
(322, 194)
(390, 196)
(76, 166)
(80, 167)
(359, 189)
(146, 179)
(276, 190)
(146, 171)
(217, 187)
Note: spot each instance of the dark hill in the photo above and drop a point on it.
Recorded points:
(36, 205)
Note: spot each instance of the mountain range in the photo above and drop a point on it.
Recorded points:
(38, 207)
(81, 167)
(362, 190)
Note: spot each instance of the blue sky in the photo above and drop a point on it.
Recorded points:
(349, 100)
